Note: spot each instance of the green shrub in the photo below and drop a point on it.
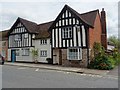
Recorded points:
(112, 60)
(101, 62)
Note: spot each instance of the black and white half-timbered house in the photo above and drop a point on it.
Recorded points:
(68, 39)
(23, 36)
(71, 36)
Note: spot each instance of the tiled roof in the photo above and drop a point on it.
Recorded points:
(90, 16)
(42, 30)
(31, 26)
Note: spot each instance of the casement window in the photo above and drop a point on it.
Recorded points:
(17, 37)
(25, 52)
(43, 53)
(67, 32)
(43, 41)
(74, 54)
(17, 52)
(26, 36)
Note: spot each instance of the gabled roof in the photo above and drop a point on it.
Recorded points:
(31, 26)
(41, 30)
(79, 15)
(88, 17)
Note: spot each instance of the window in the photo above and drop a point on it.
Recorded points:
(43, 41)
(67, 32)
(17, 52)
(17, 37)
(26, 36)
(74, 54)
(43, 53)
(25, 52)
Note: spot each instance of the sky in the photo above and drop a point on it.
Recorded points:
(41, 12)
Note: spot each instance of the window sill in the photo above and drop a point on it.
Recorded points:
(43, 56)
(66, 38)
(25, 55)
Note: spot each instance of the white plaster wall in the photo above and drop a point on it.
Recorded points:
(20, 57)
(43, 47)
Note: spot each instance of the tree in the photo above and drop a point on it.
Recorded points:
(35, 54)
(114, 40)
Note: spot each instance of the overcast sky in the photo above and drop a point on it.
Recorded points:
(41, 12)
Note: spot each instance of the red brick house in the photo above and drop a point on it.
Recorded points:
(4, 44)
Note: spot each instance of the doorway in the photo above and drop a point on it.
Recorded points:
(13, 55)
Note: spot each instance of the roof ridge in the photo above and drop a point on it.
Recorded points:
(90, 11)
(45, 23)
(27, 20)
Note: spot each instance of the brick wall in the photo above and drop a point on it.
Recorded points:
(95, 33)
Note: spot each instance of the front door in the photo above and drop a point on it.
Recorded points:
(57, 56)
(13, 56)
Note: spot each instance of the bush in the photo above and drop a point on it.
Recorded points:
(101, 62)
(112, 60)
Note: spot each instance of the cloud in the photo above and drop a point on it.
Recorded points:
(40, 12)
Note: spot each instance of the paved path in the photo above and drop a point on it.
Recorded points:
(60, 68)
(114, 72)
(25, 77)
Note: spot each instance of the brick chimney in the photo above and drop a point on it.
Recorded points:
(104, 30)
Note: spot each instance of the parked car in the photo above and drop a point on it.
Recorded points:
(2, 60)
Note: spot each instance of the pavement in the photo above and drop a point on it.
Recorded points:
(60, 68)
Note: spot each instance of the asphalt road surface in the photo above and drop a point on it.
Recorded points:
(24, 77)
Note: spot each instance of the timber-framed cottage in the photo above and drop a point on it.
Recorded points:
(67, 40)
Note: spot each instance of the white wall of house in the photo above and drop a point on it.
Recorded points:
(21, 57)
(43, 47)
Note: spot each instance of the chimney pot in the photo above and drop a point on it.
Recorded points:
(102, 9)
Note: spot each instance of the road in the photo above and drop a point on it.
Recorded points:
(24, 77)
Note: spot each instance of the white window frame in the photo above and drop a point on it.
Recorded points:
(17, 52)
(67, 32)
(25, 51)
(43, 41)
(75, 55)
(43, 53)
(26, 35)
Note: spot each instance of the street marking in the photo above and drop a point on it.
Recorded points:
(37, 69)
(21, 68)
